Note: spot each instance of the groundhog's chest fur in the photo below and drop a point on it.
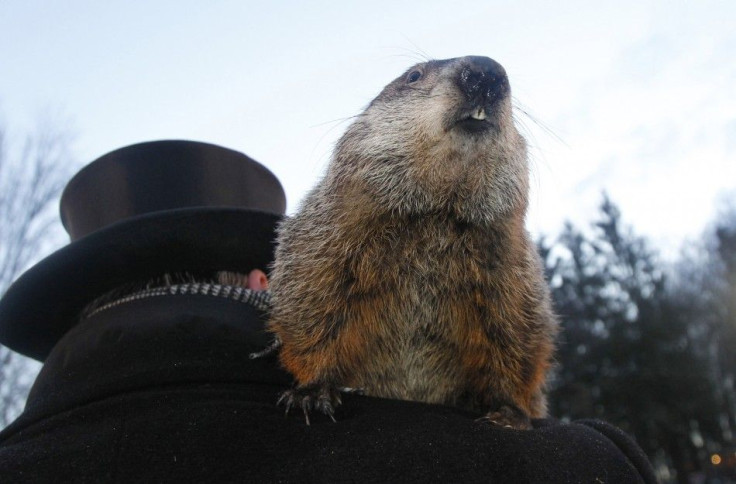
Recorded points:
(433, 284)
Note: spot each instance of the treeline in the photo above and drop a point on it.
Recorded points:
(649, 346)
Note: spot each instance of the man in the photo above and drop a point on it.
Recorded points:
(145, 323)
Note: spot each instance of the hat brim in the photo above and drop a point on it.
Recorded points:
(45, 302)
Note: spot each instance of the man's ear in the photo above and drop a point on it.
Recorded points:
(257, 280)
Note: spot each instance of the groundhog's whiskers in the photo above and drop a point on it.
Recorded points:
(417, 54)
(518, 107)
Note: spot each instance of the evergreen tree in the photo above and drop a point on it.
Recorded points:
(627, 352)
(724, 328)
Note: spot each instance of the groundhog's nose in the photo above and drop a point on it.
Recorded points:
(482, 77)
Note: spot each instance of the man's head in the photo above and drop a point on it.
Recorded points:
(141, 214)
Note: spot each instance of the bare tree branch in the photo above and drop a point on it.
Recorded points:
(32, 175)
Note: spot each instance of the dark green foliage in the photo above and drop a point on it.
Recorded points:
(638, 347)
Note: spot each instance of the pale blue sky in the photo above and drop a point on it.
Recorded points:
(640, 95)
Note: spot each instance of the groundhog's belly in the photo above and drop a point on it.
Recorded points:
(418, 353)
(418, 377)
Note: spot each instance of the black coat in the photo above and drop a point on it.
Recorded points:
(162, 390)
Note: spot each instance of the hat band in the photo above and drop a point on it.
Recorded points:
(258, 299)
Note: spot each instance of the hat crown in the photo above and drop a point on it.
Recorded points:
(166, 175)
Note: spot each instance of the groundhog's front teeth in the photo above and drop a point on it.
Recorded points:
(479, 114)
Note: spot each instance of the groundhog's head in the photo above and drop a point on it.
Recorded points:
(440, 137)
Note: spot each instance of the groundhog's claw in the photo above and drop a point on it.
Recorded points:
(272, 348)
(509, 417)
(313, 396)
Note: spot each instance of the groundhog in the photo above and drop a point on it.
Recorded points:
(407, 273)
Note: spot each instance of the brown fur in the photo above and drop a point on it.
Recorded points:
(408, 272)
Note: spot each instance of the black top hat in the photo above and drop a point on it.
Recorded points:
(139, 212)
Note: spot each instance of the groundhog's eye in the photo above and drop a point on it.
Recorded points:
(414, 76)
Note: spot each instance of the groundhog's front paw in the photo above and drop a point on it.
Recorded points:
(508, 416)
(313, 396)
